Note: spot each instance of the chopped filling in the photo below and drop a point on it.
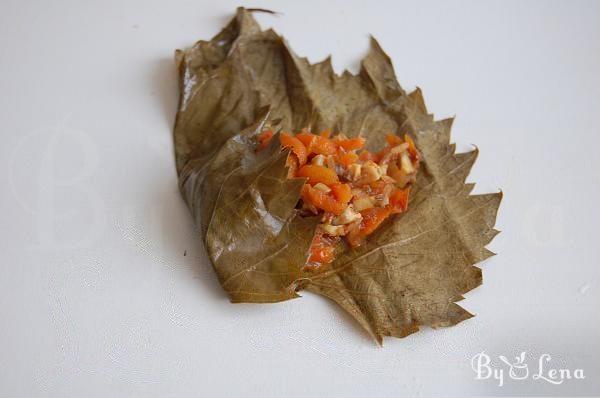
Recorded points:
(353, 190)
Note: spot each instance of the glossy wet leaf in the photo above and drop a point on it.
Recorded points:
(412, 270)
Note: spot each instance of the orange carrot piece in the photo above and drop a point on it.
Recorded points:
(352, 143)
(319, 144)
(399, 199)
(297, 147)
(372, 218)
(379, 155)
(308, 140)
(323, 146)
(316, 174)
(264, 138)
(365, 155)
(393, 140)
(412, 149)
(342, 192)
(347, 158)
(322, 200)
(377, 187)
(321, 251)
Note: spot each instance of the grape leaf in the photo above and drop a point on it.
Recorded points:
(411, 272)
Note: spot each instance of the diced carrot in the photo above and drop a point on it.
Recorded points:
(325, 133)
(376, 187)
(323, 146)
(346, 158)
(352, 143)
(399, 199)
(342, 192)
(412, 149)
(321, 251)
(307, 139)
(322, 200)
(321, 254)
(372, 218)
(264, 138)
(393, 140)
(304, 146)
(316, 174)
(365, 155)
(379, 155)
(319, 144)
(297, 147)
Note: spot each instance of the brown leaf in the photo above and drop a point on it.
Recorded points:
(411, 271)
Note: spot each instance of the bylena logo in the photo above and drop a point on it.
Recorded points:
(519, 369)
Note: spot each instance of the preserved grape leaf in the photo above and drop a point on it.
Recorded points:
(411, 271)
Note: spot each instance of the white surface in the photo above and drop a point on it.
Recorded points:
(96, 296)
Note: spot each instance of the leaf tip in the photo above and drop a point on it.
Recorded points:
(500, 193)
(264, 10)
(417, 96)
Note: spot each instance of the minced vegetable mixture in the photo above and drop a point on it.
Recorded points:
(352, 189)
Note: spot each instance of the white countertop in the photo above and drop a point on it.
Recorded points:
(97, 298)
